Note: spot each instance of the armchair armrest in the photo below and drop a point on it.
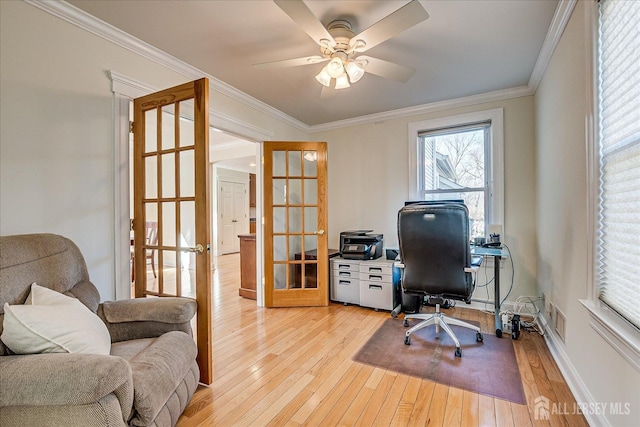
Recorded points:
(147, 317)
(64, 379)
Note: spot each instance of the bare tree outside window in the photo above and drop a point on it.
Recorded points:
(454, 168)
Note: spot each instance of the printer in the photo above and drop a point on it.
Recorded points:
(360, 244)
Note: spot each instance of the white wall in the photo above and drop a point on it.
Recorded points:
(560, 111)
(369, 182)
(57, 130)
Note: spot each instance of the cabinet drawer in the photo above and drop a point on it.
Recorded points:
(375, 268)
(344, 265)
(345, 290)
(346, 274)
(375, 277)
(377, 295)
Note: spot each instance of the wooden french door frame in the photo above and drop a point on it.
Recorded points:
(198, 91)
(292, 275)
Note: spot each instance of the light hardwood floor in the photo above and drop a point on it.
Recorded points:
(293, 366)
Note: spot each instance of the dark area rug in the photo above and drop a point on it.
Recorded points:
(487, 367)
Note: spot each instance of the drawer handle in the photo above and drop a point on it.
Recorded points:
(376, 287)
(344, 274)
(378, 278)
(375, 269)
(344, 282)
(344, 266)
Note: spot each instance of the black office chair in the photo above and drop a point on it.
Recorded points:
(436, 262)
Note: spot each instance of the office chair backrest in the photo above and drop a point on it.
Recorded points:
(434, 248)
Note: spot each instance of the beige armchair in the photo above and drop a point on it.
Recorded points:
(147, 379)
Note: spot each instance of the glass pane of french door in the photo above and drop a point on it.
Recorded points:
(168, 202)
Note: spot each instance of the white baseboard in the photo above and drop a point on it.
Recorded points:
(571, 376)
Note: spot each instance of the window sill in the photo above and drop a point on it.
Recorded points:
(622, 336)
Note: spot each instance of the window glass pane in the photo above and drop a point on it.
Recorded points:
(294, 163)
(151, 177)
(168, 127)
(295, 220)
(295, 247)
(169, 271)
(187, 137)
(280, 276)
(454, 160)
(279, 191)
(295, 192)
(279, 163)
(168, 175)
(150, 130)
(310, 163)
(279, 248)
(279, 220)
(168, 224)
(310, 220)
(187, 173)
(310, 191)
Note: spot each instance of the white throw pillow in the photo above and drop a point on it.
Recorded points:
(51, 322)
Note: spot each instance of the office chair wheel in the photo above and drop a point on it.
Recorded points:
(405, 323)
(479, 337)
(458, 352)
(407, 340)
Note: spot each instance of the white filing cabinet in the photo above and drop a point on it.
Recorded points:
(366, 283)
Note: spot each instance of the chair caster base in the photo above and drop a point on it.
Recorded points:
(407, 340)
(479, 337)
(405, 323)
(458, 352)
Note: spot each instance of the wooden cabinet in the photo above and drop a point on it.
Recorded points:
(252, 189)
(247, 266)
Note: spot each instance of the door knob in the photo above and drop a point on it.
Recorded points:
(198, 249)
(319, 232)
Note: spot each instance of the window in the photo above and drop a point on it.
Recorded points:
(618, 150)
(460, 158)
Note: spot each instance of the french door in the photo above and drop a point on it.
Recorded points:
(171, 188)
(296, 266)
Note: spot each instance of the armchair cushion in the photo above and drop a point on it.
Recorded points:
(50, 322)
(164, 310)
(147, 317)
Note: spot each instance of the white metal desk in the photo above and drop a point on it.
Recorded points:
(497, 254)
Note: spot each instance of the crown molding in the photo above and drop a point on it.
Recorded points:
(558, 23)
(482, 98)
(87, 22)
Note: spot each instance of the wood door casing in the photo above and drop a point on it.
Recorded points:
(296, 261)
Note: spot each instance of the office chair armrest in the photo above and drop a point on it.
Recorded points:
(398, 264)
(473, 269)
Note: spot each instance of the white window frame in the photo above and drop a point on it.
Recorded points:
(494, 167)
(612, 327)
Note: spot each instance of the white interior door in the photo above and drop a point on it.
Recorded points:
(233, 214)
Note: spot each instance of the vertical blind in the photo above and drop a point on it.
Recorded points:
(618, 243)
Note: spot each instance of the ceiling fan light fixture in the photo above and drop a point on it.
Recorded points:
(342, 81)
(323, 77)
(355, 71)
(335, 68)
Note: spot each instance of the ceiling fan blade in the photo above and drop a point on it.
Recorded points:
(315, 59)
(387, 69)
(402, 19)
(301, 15)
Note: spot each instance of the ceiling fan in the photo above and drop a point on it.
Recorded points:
(342, 48)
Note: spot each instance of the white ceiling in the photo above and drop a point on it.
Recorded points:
(466, 47)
